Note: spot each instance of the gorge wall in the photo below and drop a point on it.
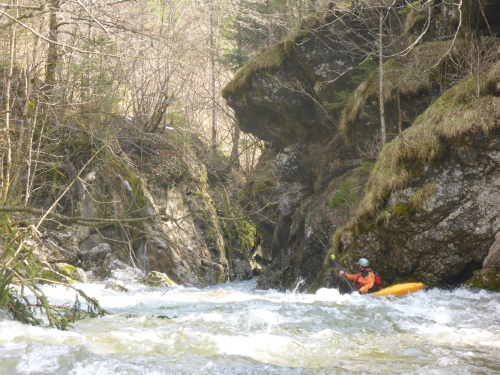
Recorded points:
(427, 207)
(154, 205)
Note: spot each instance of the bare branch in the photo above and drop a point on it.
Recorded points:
(53, 42)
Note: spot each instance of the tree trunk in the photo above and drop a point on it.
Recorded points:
(213, 76)
(383, 135)
(5, 184)
(52, 54)
(234, 160)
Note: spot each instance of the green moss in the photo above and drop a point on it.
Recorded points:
(416, 172)
(52, 275)
(117, 167)
(155, 278)
(401, 209)
(488, 279)
(424, 142)
(269, 59)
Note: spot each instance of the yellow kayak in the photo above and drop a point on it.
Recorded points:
(400, 289)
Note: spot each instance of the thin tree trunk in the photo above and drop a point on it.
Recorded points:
(52, 54)
(234, 160)
(7, 170)
(213, 73)
(400, 114)
(383, 135)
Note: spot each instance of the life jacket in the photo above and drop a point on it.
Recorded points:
(377, 285)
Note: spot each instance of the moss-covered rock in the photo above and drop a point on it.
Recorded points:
(155, 278)
(116, 285)
(446, 216)
(488, 279)
(49, 274)
(72, 272)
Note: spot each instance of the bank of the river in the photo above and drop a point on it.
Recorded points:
(235, 329)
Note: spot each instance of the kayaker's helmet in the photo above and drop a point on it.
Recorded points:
(363, 262)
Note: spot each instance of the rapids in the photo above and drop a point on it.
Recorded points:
(236, 329)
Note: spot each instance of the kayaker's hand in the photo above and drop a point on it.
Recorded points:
(341, 273)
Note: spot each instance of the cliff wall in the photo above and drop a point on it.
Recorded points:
(430, 213)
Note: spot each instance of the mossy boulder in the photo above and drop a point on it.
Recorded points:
(71, 272)
(278, 94)
(50, 274)
(488, 279)
(155, 278)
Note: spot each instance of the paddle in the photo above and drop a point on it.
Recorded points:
(335, 263)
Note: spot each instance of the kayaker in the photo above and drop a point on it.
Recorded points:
(367, 280)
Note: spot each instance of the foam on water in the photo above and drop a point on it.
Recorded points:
(233, 328)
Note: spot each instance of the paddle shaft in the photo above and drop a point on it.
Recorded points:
(353, 289)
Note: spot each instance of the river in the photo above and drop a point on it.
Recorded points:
(236, 329)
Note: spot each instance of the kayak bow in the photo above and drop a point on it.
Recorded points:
(400, 289)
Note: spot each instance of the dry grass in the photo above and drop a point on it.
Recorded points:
(366, 90)
(269, 59)
(467, 106)
(404, 75)
(422, 194)
(272, 57)
(471, 105)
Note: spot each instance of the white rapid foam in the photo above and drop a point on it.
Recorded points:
(235, 329)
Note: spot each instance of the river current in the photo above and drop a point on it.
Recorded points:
(236, 329)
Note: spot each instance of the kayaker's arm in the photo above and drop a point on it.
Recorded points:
(352, 277)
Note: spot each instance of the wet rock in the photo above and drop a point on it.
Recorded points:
(116, 285)
(155, 278)
(72, 272)
(242, 269)
(489, 276)
(436, 225)
(94, 256)
(116, 269)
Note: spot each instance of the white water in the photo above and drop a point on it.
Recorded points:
(235, 329)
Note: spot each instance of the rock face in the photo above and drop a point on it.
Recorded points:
(162, 218)
(429, 213)
(432, 206)
(443, 224)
